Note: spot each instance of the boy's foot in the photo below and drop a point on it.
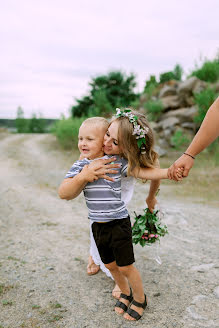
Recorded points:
(116, 292)
(92, 268)
(123, 303)
(135, 311)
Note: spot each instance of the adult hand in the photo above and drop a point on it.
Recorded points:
(102, 167)
(184, 162)
(151, 202)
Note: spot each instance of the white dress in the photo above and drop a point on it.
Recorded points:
(127, 188)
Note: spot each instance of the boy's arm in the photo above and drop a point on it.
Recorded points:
(70, 188)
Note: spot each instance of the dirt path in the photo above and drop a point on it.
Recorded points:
(44, 248)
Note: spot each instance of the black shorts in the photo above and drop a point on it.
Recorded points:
(114, 241)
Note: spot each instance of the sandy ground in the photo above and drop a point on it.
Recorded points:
(45, 241)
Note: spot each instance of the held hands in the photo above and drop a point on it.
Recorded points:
(184, 163)
(99, 169)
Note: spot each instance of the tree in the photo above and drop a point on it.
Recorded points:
(107, 92)
(20, 122)
(36, 125)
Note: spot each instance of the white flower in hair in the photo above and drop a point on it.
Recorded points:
(138, 131)
(118, 111)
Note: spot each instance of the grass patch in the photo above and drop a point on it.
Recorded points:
(34, 307)
(77, 259)
(12, 258)
(56, 306)
(55, 318)
(7, 302)
(49, 224)
(202, 184)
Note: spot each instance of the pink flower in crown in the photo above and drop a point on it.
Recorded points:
(151, 235)
(156, 236)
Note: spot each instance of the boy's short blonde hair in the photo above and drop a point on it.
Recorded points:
(97, 121)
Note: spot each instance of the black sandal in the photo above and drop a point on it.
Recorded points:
(134, 314)
(122, 305)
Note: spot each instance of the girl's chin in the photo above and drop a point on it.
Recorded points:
(108, 151)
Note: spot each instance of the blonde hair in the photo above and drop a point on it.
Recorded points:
(97, 121)
(128, 144)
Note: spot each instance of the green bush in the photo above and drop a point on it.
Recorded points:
(150, 86)
(204, 100)
(176, 74)
(22, 125)
(179, 139)
(36, 125)
(66, 131)
(20, 122)
(154, 109)
(208, 72)
(33, 125)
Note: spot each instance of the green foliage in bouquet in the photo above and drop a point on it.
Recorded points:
(147, 228)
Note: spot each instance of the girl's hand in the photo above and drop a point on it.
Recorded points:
(101, 167)
(151, 202)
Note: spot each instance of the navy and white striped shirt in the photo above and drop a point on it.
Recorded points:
(103, 197)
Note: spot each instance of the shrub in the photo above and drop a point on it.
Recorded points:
(204, 99)
(150, 86)
(208, 72)
(36, 125)
(179, 139)
(20, 122)
(176, 74)
(154, 109)
(66, 131)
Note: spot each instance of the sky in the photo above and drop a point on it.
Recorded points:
(50, 50)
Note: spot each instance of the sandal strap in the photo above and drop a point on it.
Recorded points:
(134, 314)
(141, 305)
(126, 297)
(121, 305)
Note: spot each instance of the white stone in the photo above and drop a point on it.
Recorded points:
(203, 267)
(196, 299)
(216, 292)
(194, 315)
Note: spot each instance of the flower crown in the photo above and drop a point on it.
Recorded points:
(139, 132)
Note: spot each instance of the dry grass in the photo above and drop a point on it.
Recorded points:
(202, 184)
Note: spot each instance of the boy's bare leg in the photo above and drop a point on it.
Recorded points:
(92, 268)
(116, 292)
(134, 279)
(121, 281)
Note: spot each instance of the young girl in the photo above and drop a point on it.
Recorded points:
(111, 146)
(111, 223)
